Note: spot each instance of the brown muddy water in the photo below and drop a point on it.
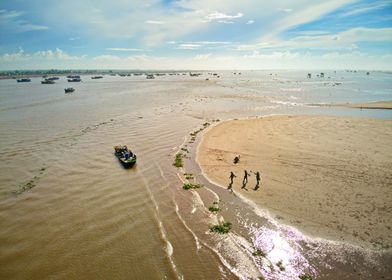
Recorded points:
(69, 210)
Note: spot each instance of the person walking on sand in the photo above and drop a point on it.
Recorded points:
(258, 178)
(232, 176)
(245, 180)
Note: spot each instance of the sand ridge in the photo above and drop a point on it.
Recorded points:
(328, 176)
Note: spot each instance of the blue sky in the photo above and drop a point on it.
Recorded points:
(203, 34)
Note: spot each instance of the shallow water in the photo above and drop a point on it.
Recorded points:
(69, 210)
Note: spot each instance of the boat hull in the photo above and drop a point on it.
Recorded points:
(127, 163)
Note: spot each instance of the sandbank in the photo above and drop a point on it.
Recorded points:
(330, 177)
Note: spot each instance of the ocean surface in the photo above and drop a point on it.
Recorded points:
(69, 210)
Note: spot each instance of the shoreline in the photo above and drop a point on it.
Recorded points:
(379, 105)
(336, 213)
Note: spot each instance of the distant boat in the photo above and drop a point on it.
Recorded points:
(73, 77)
(74, 80)
(24, 80)
(69, 90)
(53, 78)
(47, 82)
(97, 77)
(125, 156)
(150, 76)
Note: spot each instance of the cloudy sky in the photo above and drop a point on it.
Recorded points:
(190, 34)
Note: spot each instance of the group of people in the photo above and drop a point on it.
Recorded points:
(245, 179)
(124, 151)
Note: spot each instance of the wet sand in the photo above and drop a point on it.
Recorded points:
(328, 176)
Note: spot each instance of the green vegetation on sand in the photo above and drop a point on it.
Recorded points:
(192, 186)
(178, 160)
(259, 253)
(222, 228)
(213, 209)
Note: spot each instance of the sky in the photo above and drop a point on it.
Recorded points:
(190, 34)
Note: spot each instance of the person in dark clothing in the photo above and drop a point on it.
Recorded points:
(258, 178)
(232, 176)
(245, 180)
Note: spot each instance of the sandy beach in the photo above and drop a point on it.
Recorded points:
(328, 176)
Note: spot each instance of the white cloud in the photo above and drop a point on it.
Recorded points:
(253, 60)
(10, 22)
(364, 9)
(202, 56)
(305, 15)
(346, 39)
(211, 42)
(188, 46)
(107, 57)
(158, 22)
(221, 17)
(312, 32)
(57, 54)
(125, 49)
(287, 10)
(250, 22)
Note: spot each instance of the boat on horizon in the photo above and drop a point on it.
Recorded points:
(150, 76)
(74, 80)
(69, 90)
(125, 156)
(24, 80)
(96, 77)
(47, 82)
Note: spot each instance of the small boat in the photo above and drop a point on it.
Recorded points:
(53, 78)
(73, 77)
(150, 76)
(24, 80)
(47, 82)
(125, 156)
(96, 77)
(69, 90)
(74, 80)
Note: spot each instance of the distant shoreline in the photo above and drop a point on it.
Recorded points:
(381, 105)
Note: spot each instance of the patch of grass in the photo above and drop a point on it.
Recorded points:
(185, 150)
(178, 160)
(192, 186)
(215, 202)
(259, 253)
(188, 176)
(43, 169)
(280, 265)
(213, 209)
(305, 277)
(221, 229)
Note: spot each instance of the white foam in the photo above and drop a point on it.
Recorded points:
(198, 246)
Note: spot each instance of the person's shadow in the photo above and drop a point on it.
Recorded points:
(244, 186)
(257, 186)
